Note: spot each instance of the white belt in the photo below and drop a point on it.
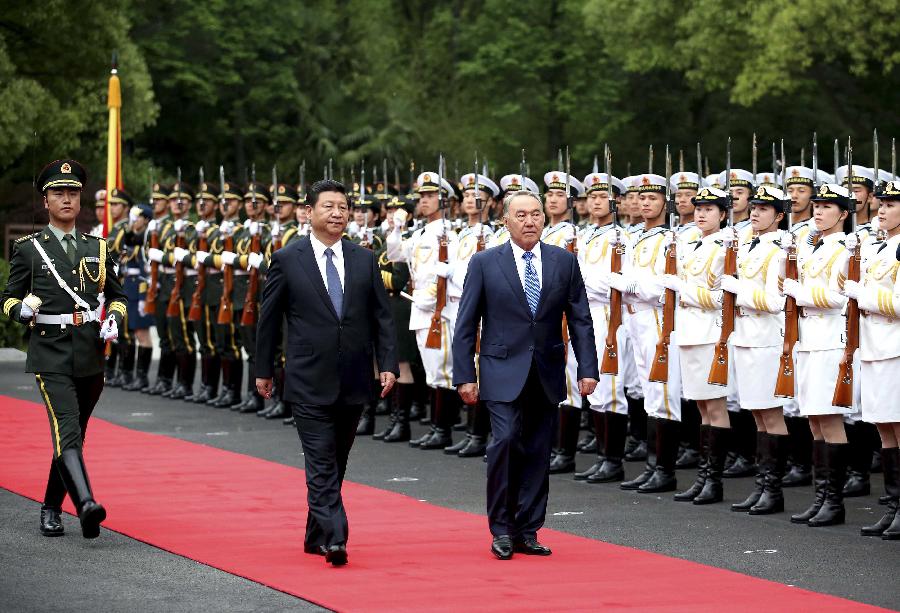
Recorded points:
(638, 307)
(877, 317)
(69, 319)
(817, 312)
(213, 271)
(167, 270)
(190, 273)
(133, 272)
(241, 273)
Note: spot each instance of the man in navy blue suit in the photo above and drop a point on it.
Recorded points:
(519, 292)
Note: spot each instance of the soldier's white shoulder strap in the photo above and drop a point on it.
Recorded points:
(78, 299)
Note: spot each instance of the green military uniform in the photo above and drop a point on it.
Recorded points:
(65, 349)
(165, 279)
(124, 346)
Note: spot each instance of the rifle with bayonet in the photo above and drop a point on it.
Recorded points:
(195, 313)
(276, 208)
(433, 340)
(843, 388)
(609, 365)
(248, 315)
(173, 309)
(785, 385)
(718, 371)
(153, 285)
(226, 228)
(659, 370)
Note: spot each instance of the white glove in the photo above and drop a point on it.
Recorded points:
(729, 239)
(617, 280)
(253, 227)
(109, 331)
(181, 253)
(851, 242)
(25, 312)
(116, 270)
(202, 226)
(226, 227)
(254, 260)
(201, 257)
(730, 284)
(142, 307)
(424, 301)
(792, 288)
(852, 289)
(442, 269)
(668, 239)
(228, 258)
(179, 225)
(155, 255)
(151, 225)
(671, 282)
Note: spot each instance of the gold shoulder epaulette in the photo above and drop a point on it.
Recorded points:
(99, 238)
(26, 238)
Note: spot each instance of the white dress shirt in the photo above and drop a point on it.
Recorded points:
(319, 253)
(520, 261)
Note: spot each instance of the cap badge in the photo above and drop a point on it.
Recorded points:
(761, 192)
(427, 178)
(554, 179)
(281, 189)
(645, 180)
(795, 173)
(823, 191)
(65, 168)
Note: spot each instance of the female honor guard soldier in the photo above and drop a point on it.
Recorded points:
(59, 279)
(823, 270)
(878, 296)
(135, 286)
(700, 267)
(758, 339)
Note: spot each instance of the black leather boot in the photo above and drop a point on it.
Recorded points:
(190, 375)
(718, 440)
(462, 443)
(800, 472)
(237, 380)
(636, 441)
(445, 415)
(774, 455)
(889, 466)
(126, 365)
(663, 478)
(650, 466)
(226, 382)
(758, 484)
(142, 367)
(832, 511)
(51, 509)
(109, 369)
(179, 390)
(563, 460)
(394, 405)
(210, 378)
(859, 439)
(72, 470)
(51, 522)
(164, 373)
(233, 375)
(689, 434)
(696, 487)
(366, 425)
(744, 440)
(819, 483)
(400, 429)
(615, 428)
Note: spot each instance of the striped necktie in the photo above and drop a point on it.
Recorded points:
(532, 283)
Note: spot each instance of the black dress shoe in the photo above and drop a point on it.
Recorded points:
(609, 472)
(689, 458)
(742, 467)
(638, 454)
(336, 555)
(857, 484)
(316, 550)
(51, 522)
(289, 421)
(502, 547)
(562, 463)
(531, 547)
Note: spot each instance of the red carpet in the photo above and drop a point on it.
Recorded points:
(228, 502)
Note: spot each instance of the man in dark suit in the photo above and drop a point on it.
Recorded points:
(519, 292)
(338, 316)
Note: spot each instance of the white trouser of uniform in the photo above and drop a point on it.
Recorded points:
(609, 395)
(815, 374)
(661, 400)
(573, 396)
(880, 387)
(438, 363)
(633, 387)
(756, 372)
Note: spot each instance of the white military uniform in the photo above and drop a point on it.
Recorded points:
(758, 336)
(561, 235)
(467, 246)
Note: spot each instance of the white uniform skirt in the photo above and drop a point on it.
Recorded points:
(695, 364)
(756, 370)
(816, 373)
(880, 383)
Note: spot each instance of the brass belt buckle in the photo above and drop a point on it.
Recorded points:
(77, 318)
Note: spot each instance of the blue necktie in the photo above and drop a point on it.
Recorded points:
(335, 291)
(532, 284)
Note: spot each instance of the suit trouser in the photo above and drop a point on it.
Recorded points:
(69, 402)
(326, 433)
(518, 460)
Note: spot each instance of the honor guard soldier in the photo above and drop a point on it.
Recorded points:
(685, 186)
(60, 282)
(122, 351)
(742, 188)
(284, 231)
(641, 288)
(175, 262)
(161, 233)
(134, 268)
(609, 411)
(423, 252)
(560, 231)
(226, 314)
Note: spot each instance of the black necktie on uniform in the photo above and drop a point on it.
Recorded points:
(70, 247)
(754, 242)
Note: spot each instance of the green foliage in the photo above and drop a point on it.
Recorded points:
(11, 334)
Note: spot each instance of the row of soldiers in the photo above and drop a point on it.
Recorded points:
(623, 231)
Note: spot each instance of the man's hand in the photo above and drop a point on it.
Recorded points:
(586, 386)
(387, 382)
(469, 393)
(264, 387)
(109, 330)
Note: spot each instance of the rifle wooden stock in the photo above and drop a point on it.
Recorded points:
(433, 341)
(843, 388)
(174, 307)
(248, 317)
(718, 371)
(784, 386)
(226, 312)
(610, 363)
(196, 310)
(153, 286)
(659, 370)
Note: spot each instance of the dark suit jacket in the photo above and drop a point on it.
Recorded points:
(326, 358)
(510, 337)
